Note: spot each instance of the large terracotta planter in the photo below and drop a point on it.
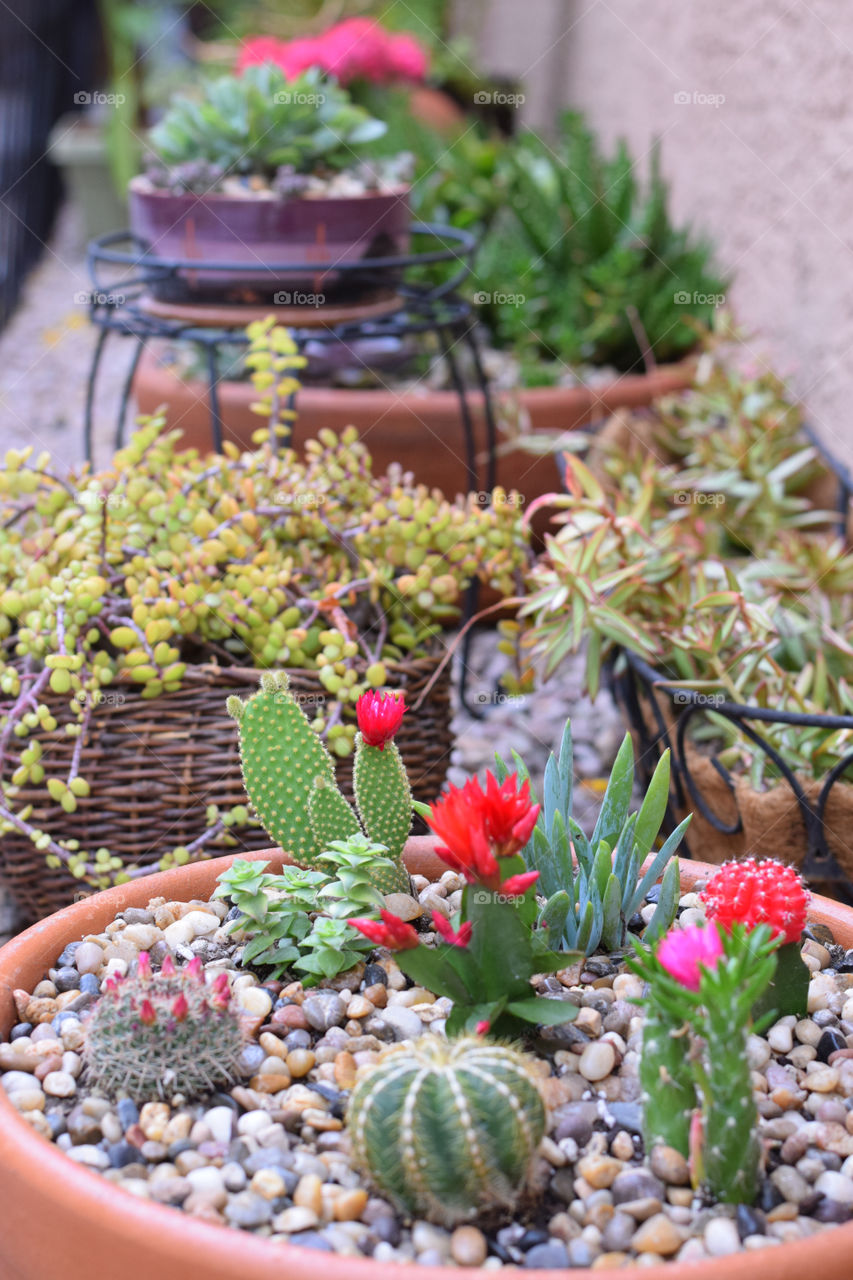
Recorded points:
(61, 1220)
(420, 429)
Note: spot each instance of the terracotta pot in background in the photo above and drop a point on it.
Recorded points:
(62, 1220)
(420, 429)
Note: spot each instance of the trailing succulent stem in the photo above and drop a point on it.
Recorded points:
(666, 1077)
(290, 779)
(447, 1129)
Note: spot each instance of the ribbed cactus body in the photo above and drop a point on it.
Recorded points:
(282, 759)
(669, 1095)
(447, 1129)
(162, 1034)
(382, 795)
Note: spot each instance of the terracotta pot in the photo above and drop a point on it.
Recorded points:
(420, 429)
(62, 1220)
(222, 228)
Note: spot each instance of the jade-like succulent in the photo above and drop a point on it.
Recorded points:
(118, 580)
(290, 778)
(447, 1129)
(163, 1033)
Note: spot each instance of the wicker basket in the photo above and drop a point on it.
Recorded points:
(155, 764)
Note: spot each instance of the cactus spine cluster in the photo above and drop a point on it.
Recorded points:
(290, 779)
(163, 1033)
(447, 1129)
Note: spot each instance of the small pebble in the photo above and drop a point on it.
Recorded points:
(597, 1060)
(721, 1237)
(468, 1247)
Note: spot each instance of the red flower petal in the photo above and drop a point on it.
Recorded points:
(515, 886)
(443, 926)
(379, 716)
(390, 932)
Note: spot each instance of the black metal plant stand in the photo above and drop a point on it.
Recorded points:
(141, 296)
(637, 688)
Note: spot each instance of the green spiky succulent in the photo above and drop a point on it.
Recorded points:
(447, 1129)
(290, 779)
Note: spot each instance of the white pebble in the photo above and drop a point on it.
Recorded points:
(835, 1187)
(207, 1180)
(219, 1121)
(597, 1060)
(757, 1052)
(72, 1063)
(255, 1001)
(116, 968)
(253, 1122)
(721, 1237)
(91, 1156)
(88, 957)
(59, 1084)
(780, 1038)
(13, 1081)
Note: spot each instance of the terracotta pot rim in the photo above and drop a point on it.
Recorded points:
(370, 400)
(221, 197)
(92, 1199)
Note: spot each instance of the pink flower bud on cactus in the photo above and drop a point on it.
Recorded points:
(221, 990)
(167, 968)
(683, 951)
(180, 1008)
(147, 1014)
(143, 966)
(194, 970)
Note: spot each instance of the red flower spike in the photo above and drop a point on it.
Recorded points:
(379, 716)
(443, 926)
(479, 826)
(517, 886)
(147, 1014)
(483, 1027)
(390, 932)
(752, 893)
(194, 970)
(180, 1008)
(143, 965)
(167, 968)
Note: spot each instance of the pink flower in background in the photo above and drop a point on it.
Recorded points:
(682, 952)
(355, 49)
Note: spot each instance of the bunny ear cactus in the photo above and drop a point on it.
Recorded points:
(447, 1129)
(290, 777)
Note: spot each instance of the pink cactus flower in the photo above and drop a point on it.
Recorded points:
(683, 951)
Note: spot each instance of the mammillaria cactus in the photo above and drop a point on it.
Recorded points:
(163, 1033)
(447, 1128)
(290, 777)
(752, 893)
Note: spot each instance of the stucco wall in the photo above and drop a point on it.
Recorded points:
(760, 154)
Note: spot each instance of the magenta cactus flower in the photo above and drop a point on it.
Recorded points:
(683, 951)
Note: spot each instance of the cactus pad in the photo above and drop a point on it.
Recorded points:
(282, 758)
(447, 1129)
(382, 794)
(332, 818)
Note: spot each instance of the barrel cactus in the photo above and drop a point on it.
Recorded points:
(447, 1128)
(290, 777)
(163, 1033)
